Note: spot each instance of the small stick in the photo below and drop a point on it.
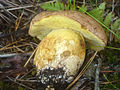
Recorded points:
(14, 54)
(26, 6)
(26, 74)
(97, 82)
(19, 49)
(30, 81)
(108, 71)
(11, 44)
(8, 55)
(110, 82)
(20, 83)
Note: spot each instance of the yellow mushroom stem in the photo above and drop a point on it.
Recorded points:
(61, 49)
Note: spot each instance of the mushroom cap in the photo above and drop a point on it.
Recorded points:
(60, 54)
(47, 21)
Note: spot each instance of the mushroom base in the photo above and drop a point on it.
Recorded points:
(53, 77)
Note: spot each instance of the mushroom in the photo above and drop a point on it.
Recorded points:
(65, 36)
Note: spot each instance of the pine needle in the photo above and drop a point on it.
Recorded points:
(30, 57)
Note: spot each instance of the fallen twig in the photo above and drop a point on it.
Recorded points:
(20, 83)
(14, 54)
(25, 6)
(108, 71)
(110, 82)
(97, 82)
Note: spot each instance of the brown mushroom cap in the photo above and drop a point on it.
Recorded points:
(47, 21)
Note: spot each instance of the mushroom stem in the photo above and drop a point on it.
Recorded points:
(59, 56)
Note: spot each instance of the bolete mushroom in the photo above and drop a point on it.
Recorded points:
(61, 52)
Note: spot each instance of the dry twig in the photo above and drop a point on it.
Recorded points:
(96, 87)
(20, 83)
